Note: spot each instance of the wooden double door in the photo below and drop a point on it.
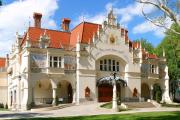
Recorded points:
(105, 92)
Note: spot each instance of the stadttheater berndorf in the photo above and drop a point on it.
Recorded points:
(48, 66)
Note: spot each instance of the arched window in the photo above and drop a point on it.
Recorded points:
(109, 65)
(87, 92)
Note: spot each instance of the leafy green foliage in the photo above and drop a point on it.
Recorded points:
(147, 45)
(171, 45)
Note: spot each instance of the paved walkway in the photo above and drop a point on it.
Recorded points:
(80, 110)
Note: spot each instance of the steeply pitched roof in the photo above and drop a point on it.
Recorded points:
(57, 38)
(85, 31)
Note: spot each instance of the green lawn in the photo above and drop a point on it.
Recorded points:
(135, 116)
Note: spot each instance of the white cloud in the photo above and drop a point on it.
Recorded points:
(148, 27)
(129, 12)
(99, 18)
(126, 14)
(16, 16)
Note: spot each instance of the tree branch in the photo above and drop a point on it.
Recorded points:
(161, 6)
(158, 23)
(164, 9)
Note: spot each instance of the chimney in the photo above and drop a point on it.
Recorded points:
(65, 24)
(37, 19)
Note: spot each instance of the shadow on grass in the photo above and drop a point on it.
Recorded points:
(136, 116)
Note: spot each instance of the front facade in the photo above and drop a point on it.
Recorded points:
(49, 66)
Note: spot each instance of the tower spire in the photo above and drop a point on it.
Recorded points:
(111, 18)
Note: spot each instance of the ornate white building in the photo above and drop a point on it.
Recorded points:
(46, 66)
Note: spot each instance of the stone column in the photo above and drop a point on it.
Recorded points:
(19, 92)
(78, 48)
(114, 100)
(74, 96)
(126, 77)
(151, 92)
(54, 97)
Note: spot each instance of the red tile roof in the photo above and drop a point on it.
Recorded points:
(152, 56)
(85, 30)
(2, 62)
(136, 44)
(58, 38)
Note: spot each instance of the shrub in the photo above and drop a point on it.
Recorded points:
(6, 106)
(158, 96)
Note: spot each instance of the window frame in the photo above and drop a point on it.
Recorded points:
(55, 62)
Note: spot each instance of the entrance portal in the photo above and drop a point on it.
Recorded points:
(145, 92)
(64, 92)
(105, 92)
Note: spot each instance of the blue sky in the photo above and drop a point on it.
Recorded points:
(18, 13)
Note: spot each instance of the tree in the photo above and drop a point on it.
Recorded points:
(165, 12)
(171, 45)
(147, 45)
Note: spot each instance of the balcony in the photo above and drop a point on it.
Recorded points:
(69, 71)
(48, 70)
(153, 76)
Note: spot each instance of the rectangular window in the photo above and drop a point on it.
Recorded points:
(101, 65)
(105, 65)
(55, 61)
(109, 64)
(117, 66)
(153, 69)
(51, 61)
(114, 65)
(59, 61)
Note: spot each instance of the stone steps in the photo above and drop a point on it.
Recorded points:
(139, 104)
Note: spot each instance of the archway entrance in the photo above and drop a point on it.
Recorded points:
(43, 92)
(157, 93)
(105, 92)
(64, 92)
(145, 91)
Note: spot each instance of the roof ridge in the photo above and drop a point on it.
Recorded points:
(76, 26)
(82, 31)
(51, 30)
